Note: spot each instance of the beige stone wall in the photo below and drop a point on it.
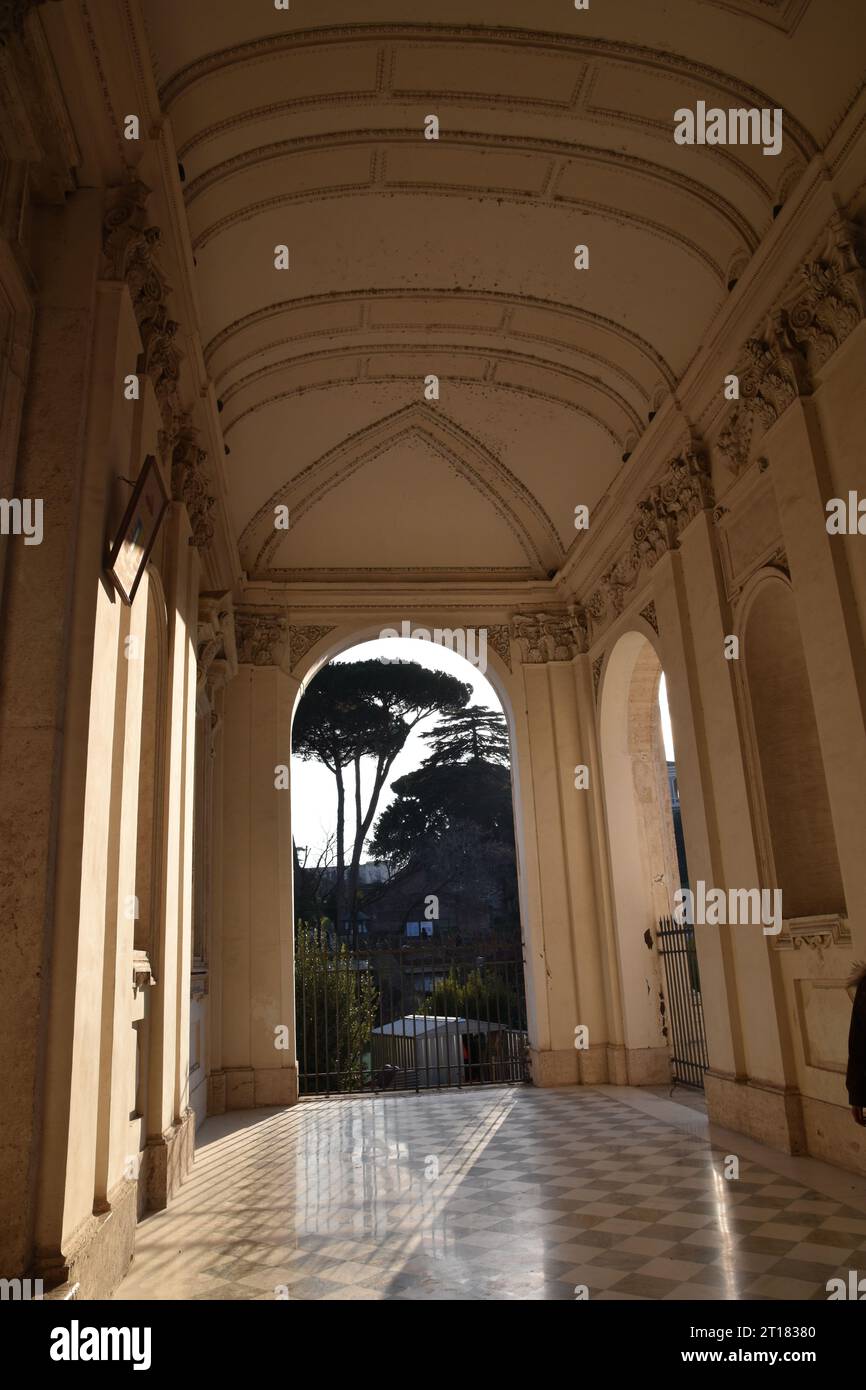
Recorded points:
(100, 1029)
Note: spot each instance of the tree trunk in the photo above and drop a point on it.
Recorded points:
(341, 847)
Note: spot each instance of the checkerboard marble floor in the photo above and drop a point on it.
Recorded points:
(509, 1193)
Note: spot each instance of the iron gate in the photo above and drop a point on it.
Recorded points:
(689, 1060)
(407, 1016)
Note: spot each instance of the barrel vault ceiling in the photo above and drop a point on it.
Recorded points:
(411, 257)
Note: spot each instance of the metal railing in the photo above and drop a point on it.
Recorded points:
(685, 1010)
(411, 1016)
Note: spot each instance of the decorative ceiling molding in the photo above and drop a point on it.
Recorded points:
(369, 297)
(605, 211)
(429, 351)
(563, 152)
(514, 503)
(505, 38)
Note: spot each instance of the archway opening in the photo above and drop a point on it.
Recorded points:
(663, 1034)
(408, 953)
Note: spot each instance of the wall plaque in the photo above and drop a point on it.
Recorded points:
(134, 541)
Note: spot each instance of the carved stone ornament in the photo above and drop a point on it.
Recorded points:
(544, 637)
(815, 933)
(261, 639)
(216, 648)
(650, 616)
(831, 295)
(130, 246)
(773, 373)
(499, 638)
(778, 363)
(735, 440)
(684, 491)
(189, 483)
(596, 673)
(301, 639)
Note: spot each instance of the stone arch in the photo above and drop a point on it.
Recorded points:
(797, 839)
(347, 635)
(642, 850)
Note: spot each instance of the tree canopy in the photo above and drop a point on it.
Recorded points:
(451, 819)
(464, 734)
(435, 799)
(366, 709)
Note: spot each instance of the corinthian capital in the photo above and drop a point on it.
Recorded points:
(189, 483)
(544, 637)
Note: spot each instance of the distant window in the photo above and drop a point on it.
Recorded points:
(419, 928)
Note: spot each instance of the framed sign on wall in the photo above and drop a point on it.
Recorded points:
(127, 556)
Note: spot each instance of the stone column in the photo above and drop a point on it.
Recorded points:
(41, 633)
(559, 910)
(832, 638)
(217, 664)
(694, 774)
(170, 1122)
(740, 974)
(259, 1061)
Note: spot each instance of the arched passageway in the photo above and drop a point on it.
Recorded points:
(660, 995)
(408, 946)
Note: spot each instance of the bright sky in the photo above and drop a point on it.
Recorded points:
(667, 732)
(314, 795)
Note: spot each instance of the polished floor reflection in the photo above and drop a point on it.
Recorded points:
(497, 1194)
